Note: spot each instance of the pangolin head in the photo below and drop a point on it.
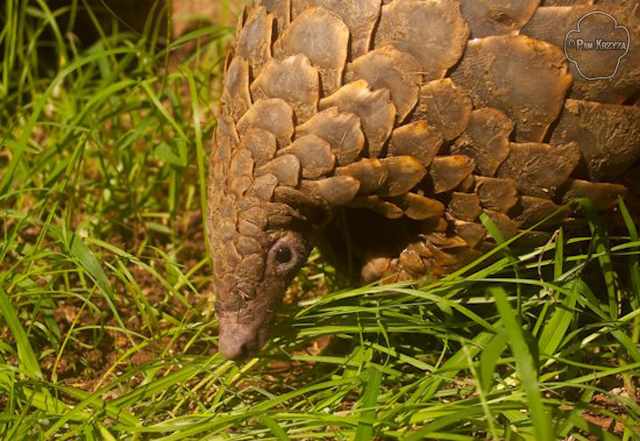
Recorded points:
(250, 293)
(258, 246)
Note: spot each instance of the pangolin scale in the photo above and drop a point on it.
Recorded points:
(411, 118)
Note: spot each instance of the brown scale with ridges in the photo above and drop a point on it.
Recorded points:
(411, 118)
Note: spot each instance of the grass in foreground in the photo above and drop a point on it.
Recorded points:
(104, 280)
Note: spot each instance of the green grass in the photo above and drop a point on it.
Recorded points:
(106, 330)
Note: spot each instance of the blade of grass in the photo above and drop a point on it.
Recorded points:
(27, 132)
(195, 110)
(601, 244)
(489, 359)
(275, 428)
(26, 354)
(525, 366)
(364, 431)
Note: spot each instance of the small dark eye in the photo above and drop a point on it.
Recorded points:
(283, 255)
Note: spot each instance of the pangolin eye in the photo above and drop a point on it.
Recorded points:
(283, 255)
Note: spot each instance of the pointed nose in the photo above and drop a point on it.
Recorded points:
(234, 349)
(237, 342)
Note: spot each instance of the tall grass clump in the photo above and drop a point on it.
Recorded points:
(105, 324)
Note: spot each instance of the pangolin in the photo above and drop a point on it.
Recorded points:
(406, 120)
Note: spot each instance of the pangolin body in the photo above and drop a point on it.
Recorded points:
(411, 118)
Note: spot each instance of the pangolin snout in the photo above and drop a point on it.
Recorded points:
(239, 340)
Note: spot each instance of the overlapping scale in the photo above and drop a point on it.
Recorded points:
(254, 39)
(599, 75)
(285, 168)
(378, 205)
(630, 5)
(342, 130)
(447, 172)
(507, 227)
(336, 190)
(531, 210)
(236, 88)
(417, 27)
(323, 38)
(539, 169)
(607, 135)
(314, 154)
(311, 207)
(281, 11)
(261, 144)
(370, 172)
(525, 78)
(281, 215)
(263, 187)
(565, 2)
(471, 232)
(418, 207)
(602, 195)
(445, 106)
(273, 115)
(227, 141)
(292, 79)
(252, 221)
(486, 140)
(497, 194)
(374, 108)
(360, 16)
(417, 139)
(405, 172)
(240, 175)
(388, 68)
(411, 261)
(464, 206)
(491, 17)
